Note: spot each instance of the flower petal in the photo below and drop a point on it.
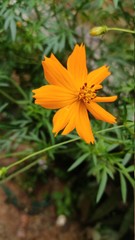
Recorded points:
(72, 118)
(98, 75)
(56, 74)
(99, 113)
(76, 65)
(62, 118)
(105, 99)
(53, 97)
(83, 126)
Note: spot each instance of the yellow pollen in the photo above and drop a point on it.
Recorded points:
(86, 93)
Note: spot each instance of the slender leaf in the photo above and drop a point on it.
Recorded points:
(123, 187)
(100, 3)
(13, 29)
(8, 21)
(131, 169)
(102, 185)
(78, 161)
(3, 107)
(115, 3)
(126, 158)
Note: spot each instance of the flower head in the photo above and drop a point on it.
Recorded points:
(74, 92)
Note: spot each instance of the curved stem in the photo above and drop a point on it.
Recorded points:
(40, 152)
(120, 30)
(45, 150)
(116, 127)
(58, 145)
(8, 97)
(14, 174)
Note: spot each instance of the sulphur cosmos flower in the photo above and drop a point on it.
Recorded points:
(74, 92)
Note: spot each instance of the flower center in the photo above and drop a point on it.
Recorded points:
(87, 93)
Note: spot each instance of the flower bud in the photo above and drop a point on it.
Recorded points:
(3, 172)
(96, 31)
(19, 24)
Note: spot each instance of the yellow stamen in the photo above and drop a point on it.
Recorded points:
(87, 93)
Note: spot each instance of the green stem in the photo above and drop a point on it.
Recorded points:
(18, 172)
(47, 149)
(19, 89)
(40, 152)
(15, 154)
(11, 99)
(120, 30)
(58, 145)
(116, 127)
(8, 97)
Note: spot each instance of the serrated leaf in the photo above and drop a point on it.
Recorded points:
(78, 161)
(123, 187)
(102, 185)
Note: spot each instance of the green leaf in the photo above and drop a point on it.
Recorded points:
(100, 3)
(102, 185)
(8, 21)
(62, 42)
(78, 161)
(131, 169)
(13, 29)
(115, 3)
(123, 187)
(3, 107)
(110, 173)
(113, 146)
(124, 171)
(126, 158)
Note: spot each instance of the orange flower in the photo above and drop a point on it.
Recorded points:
(74, 92)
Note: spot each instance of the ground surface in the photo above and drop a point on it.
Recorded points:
(16, 224)
(19, 221)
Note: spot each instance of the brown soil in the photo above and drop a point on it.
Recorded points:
(16, 224)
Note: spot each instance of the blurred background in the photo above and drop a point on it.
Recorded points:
(76, 191)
